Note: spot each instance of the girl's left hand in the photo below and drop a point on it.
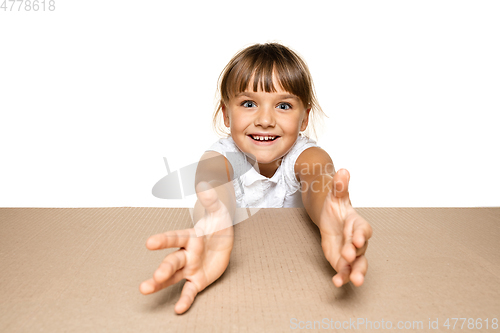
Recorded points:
(344, 233)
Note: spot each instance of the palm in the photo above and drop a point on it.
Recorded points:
(207, 257)
(203, 255)
(344, 234)
(331, 226)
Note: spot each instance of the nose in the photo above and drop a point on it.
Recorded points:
(265, 117)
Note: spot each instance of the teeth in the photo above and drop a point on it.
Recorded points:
(263, 138)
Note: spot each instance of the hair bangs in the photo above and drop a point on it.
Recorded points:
(263, 70)
(250, 74)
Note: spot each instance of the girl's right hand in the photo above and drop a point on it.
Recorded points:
(200, 260)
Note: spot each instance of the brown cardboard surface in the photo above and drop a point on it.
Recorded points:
(79, 270)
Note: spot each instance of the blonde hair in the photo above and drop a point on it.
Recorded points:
(261, 61)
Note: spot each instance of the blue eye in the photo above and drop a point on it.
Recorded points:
(284, 106)
(248, 104)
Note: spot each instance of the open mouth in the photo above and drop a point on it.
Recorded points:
(263, 138)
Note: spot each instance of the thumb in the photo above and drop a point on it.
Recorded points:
(207, 196)
(340, 183)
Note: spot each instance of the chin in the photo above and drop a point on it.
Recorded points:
(267, 160)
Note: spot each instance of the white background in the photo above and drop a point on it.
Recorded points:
(94, 94)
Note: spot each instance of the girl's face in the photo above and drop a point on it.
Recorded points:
(279, 114)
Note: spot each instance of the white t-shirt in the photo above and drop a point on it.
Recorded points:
(254, 190)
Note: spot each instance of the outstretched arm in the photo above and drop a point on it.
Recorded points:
(204, 250)
(344, 233)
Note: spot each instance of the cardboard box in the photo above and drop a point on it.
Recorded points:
(79, 270)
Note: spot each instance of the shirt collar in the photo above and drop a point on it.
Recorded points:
(251, 176)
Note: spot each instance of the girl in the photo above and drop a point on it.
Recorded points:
(266, 101)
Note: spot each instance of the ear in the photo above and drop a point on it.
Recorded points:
(305, 121)
(225, 114)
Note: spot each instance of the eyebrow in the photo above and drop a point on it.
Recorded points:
(284, 96)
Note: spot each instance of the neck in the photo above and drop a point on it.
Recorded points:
(268, 169)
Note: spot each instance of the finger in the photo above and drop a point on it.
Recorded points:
(208, 197)
(340, 181)
(151, 286)
(359, 268)
(350, 252)
(362, 231)
(171, 264)
(188, 294)
(169, 239)
(356, 234)
(348, 249)
(361, 250)
(343, 272)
